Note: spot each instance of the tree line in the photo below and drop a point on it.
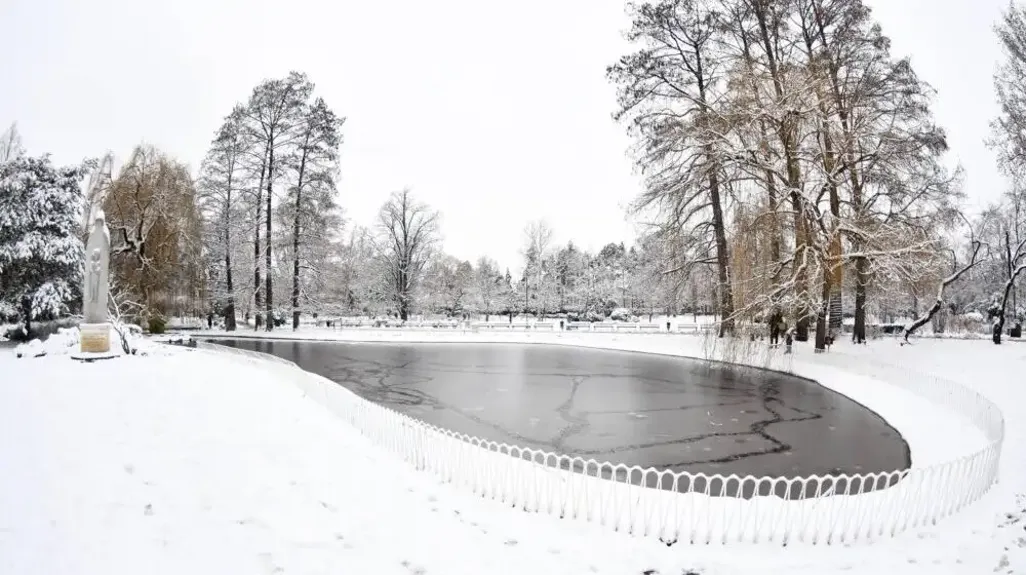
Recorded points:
(784, 147)
(792, 168)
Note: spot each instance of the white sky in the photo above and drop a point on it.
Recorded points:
(493, 113)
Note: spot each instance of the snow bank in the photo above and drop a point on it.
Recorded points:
(66, 341)
(952, 466)
(63, 342)
(194, 463)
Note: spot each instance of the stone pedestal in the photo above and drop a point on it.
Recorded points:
(94, 337)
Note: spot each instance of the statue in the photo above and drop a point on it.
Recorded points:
(95, 330)
(95, 267)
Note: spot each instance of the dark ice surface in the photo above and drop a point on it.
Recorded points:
(623, 407)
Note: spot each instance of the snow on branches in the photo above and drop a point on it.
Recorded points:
(784, 146)
(40, 249)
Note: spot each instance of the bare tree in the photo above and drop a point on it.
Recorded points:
(1009, 128)
(274, 116)
(1016, 264)
(958, 270)
(449, 282)
(668, 91)
(488, 284)
(537, 239)
(316, 162)
(220, 185)
(408, 233)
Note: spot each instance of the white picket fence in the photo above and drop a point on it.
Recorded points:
(681, 506)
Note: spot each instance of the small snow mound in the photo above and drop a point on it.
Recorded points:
(61, 343)
(66, 342)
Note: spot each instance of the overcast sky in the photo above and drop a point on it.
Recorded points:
(493, 113)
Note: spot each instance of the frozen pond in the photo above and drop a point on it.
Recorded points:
(623, 407)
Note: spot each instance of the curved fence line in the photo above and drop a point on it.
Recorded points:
(682, 506)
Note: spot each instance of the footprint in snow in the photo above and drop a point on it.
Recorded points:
(414, 569)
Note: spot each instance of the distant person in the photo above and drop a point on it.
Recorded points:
(777, 327)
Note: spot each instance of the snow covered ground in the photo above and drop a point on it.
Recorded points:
(188, 461)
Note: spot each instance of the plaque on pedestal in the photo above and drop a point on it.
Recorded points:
(94, 337)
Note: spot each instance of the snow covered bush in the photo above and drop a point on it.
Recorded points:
(40, 249)
(973, 316)
(620, 314)
(971, 322)
(62, 342)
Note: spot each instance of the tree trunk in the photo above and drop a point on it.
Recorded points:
(835, 272)
(801, 328)
(924, 319)
(295, 270)
(257, 299)
(722, 258)
(269, 296)
(26, 310)
(404, 292)
(295, 244)
(821, 315)
(1004, 302)
(840, 104)
(940, 320)
(229, 308)
(776, 237)
(861, 279)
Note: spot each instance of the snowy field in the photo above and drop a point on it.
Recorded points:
(188, 461)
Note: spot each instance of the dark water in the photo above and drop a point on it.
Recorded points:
(621, 407)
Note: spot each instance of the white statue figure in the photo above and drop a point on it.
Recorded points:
(95, 268)
(94, 331)
(94, 304)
